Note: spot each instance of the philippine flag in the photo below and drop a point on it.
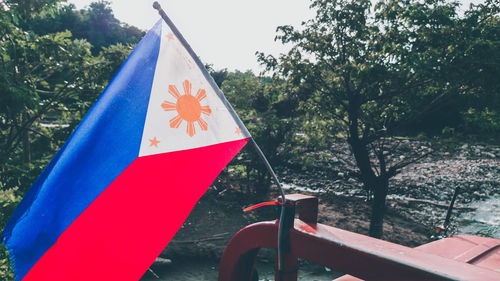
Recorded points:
(125, 181)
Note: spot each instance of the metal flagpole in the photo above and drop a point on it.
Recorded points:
(209, 78)
(281, 233)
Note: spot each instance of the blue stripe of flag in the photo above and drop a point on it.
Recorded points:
(103, 145)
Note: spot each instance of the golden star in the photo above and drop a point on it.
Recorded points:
(238, 131)
(154, 142)
(170, 36)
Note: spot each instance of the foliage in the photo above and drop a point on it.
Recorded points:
(96, 24)
(459, 55)
(48, 81)
(8, 200)
(368, 75)
(26, 10)
(255, 100)
(358, 72)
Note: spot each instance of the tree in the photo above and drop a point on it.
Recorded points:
(256, 101)
(372, 75)
(459, 54)
(42, 78)
(218, 75)
(96, 24)
(47, 83)
(27, 9)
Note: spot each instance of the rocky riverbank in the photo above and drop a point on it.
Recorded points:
(422, 190)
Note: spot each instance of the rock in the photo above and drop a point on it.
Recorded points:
(489, 154)
(162, 261)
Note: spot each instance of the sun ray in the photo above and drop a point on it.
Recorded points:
(201, 94)
(190, 129)
(203, 124)
(168, 106)
(188, 108)
(175, 122)
(187, 87)
(172, 89)
(206, 110)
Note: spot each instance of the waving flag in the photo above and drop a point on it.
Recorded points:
(125, 181)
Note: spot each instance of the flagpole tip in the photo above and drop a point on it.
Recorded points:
(156, 6)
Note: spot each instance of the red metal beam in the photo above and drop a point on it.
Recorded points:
(343, 251)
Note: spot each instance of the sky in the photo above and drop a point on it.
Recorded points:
(225, 33)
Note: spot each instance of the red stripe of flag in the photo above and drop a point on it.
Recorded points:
(122, 232)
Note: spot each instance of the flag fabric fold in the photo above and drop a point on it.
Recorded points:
(126, 179)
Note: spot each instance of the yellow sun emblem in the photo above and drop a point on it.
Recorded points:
(188, 108)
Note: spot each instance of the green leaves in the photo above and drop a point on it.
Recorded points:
(260, 103)
(48, 81)
(402, 68)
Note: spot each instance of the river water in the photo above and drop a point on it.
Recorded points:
(484, 221)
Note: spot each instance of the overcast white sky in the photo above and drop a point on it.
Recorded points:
(225, 33)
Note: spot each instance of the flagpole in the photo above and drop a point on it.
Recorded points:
(281, 233)
(201, 66)
(210, 79)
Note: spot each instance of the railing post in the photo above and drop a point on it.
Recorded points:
(289, 266)
(307, 209)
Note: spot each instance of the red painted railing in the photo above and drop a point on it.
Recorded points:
(355, 254)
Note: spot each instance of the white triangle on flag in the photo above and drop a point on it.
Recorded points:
(184, 110)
